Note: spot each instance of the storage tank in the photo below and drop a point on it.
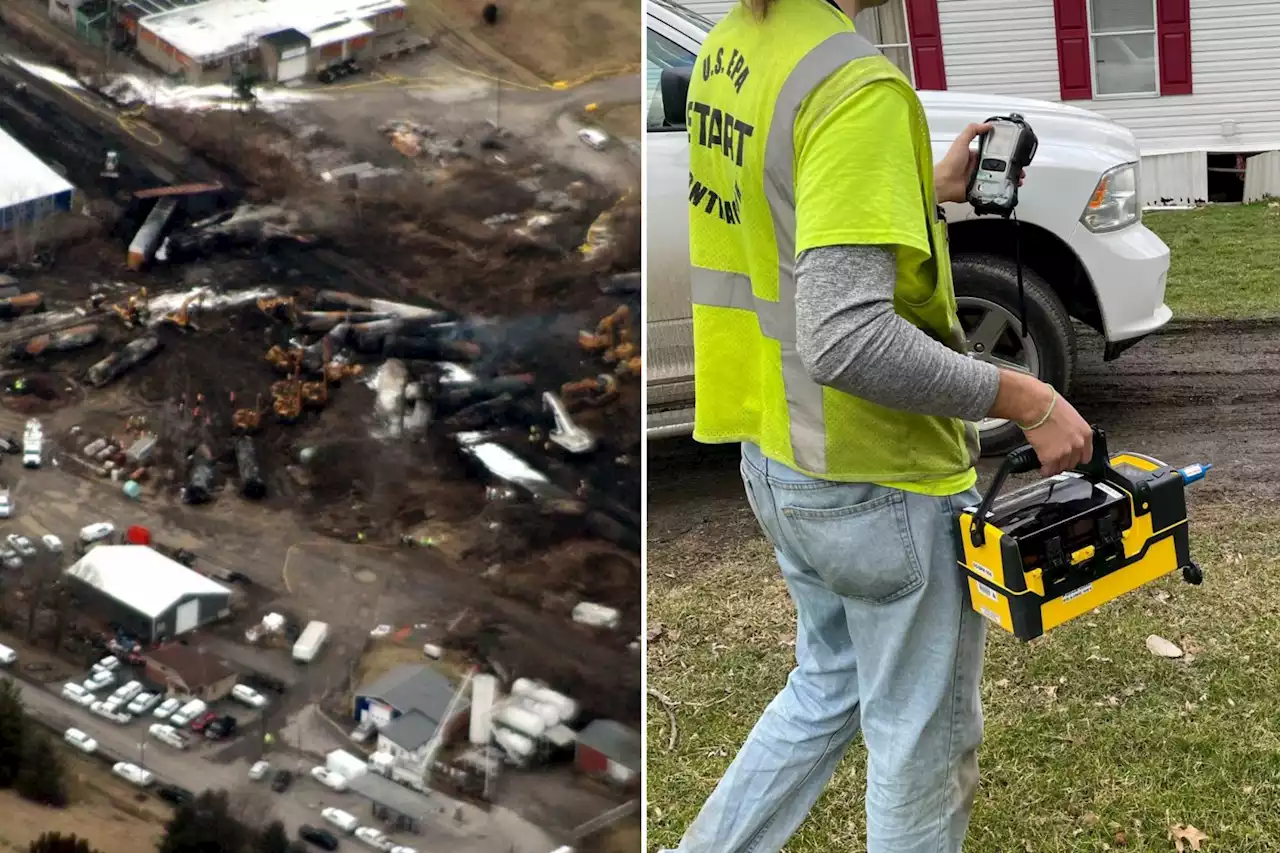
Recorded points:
(517, 746)
(540, 692)
(522, 720)
(484, 689)
(549, 713)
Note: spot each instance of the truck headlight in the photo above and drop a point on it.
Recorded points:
(1114, 203)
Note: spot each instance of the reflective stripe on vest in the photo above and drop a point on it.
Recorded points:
(777, 320)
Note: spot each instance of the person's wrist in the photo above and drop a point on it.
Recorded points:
(1033, 398)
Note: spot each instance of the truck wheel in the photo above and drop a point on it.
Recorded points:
(987, 302)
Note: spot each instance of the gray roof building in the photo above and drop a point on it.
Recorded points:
(613, 740)
(418, 696)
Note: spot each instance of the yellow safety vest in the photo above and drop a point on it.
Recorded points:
(748, 85)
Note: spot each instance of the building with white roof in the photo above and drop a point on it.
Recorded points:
(278, 40)
(146, 593)
(29, 189)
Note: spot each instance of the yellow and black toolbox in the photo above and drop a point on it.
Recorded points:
(1044, 554)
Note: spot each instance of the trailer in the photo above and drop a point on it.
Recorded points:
(310, 642)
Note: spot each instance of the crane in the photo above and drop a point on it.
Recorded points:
(437, 738)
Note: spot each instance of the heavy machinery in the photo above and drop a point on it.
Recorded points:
(287, 361)
(182, 317)
(287, 402)
(134, 311)
(278, 307)
(593, 392)
(314, 394)
(246, 421)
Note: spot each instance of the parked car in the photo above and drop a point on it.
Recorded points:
(110, 663)
(597, 139)
(249, 696)
(8, 657)
(328, 778)
(6, 504)
(188, 712)
(281, 781)
(167, 708)
(400, 848)
(52, 543)
(127, 691)
(102, 709)
(259, 770)
(73, 692)
(168, 735)
(21, 544)
(222, 727)
(1087, 255)
(97, 532)
(343, 820)
(174, 794)
(200, 723)
(99, 679)
(80, 741)
(375, 838)
(322, 838)
(133, 773)
(143, 702)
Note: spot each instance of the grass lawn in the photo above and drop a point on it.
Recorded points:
(1092, 743)
(1224, 261)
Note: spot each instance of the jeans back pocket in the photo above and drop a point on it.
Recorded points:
(860, 549)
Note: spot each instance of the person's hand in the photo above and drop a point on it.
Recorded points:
(951, 175)
(1063, 441)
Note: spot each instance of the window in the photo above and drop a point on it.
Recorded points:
(1122, 47)
(886, 27)
(1123, 34)
(661, 53)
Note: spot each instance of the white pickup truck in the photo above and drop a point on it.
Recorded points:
(1086, 254)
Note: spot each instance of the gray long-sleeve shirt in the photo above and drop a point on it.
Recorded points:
(851, 339)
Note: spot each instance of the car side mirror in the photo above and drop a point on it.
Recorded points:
(675, 95)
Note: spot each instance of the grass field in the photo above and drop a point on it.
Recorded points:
(1224, 261)
(1092, 743)
(111, 814)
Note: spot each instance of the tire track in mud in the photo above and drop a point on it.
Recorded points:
(1206, 391)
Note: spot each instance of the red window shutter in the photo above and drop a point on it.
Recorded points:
(925, 33)
(1173, 32)
(1075, 77)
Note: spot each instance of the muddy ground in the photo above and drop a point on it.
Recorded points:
(1201, 391)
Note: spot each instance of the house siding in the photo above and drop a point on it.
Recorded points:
(1236, 78)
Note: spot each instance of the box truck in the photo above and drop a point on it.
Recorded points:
(310, 642)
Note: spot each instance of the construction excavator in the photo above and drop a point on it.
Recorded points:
(287, 402)
(134, 310)
(336, 371)
(246, 421)
(593, 392)
(287, 361)
(278, 307)
(182, 317)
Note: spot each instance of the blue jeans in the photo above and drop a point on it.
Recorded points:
(885, 643)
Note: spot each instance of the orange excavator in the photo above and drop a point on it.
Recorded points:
(182, 317)
(287, 403)
(286, 361)
(133, 311)
(246, 421)
(278, 307)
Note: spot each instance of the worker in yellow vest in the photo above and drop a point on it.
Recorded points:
(826, 342)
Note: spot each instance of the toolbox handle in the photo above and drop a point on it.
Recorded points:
(1024, 460)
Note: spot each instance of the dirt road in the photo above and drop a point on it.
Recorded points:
(1196, 392)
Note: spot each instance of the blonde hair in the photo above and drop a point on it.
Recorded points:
(758, 8)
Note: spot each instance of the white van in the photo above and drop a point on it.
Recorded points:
(343, 820)
(133, 773)
(249, 696)
(188, 712)
(168, 735)
(8, 656)
(126, 692)
(167, 708)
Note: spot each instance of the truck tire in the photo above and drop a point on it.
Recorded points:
(987, 301)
